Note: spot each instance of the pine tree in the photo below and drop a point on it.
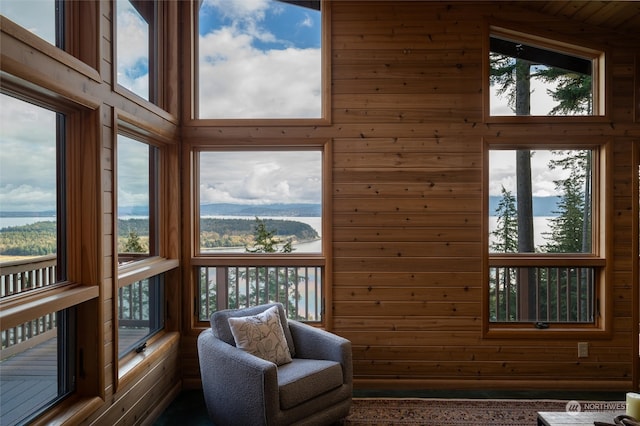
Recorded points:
(133, 244)
(506, 232)
(505, 241)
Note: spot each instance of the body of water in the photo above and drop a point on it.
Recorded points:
(540, 224)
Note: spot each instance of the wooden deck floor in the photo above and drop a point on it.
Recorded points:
(29, 380)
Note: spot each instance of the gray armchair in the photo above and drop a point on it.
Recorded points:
(243, 389)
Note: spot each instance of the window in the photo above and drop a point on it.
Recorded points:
(140, 313)
(259, 60)
(259, 215)
(139, 301)
(44, 18)
(531, 76)
(32, 259)
(545, 263)
(137, 196)
(136, 23)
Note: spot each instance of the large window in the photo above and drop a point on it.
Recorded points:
(259, 215)
(531, 76)
(37, 356)
(545, 262)
(259, 59)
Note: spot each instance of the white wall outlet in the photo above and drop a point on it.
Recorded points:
(583, 349)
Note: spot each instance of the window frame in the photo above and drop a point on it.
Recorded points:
(155, 265)
(322, 259)
(597, 259)
(191, 69)
(600, 76)
(74, 290)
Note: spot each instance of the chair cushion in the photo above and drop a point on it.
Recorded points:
(304, 379)
(222, 330)
(261, 335)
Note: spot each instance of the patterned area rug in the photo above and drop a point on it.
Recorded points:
(445, 412)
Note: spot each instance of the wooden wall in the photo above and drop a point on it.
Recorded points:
(408, 196)
(407, 129)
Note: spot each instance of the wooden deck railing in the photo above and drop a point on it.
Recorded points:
(542, 294)
(299, 289)
(17, 277)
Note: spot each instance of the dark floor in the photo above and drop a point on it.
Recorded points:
(188, 408)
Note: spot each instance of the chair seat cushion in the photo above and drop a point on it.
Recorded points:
(304, 379)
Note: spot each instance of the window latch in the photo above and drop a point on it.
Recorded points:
(541, 325)
(141, 348)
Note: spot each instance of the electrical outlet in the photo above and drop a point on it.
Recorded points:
(583, 349)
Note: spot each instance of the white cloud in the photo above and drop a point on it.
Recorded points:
(27, 157)
(239, 80)
(260, 177)
(132, 49)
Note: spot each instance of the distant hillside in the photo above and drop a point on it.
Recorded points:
(542, 206)
(264, 210)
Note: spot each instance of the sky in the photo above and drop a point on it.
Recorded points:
(259, 59)
(237, 37)
(261, 177)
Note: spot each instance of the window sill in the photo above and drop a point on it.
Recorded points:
(519, 331)
(131, 367)
(73, 410)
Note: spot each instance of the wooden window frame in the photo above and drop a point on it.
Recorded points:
(601, 251)
(162, 262)
(597, 55)
(322, 259)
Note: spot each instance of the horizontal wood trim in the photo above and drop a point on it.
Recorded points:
(9, 27)
(532, 383)
(144, 269)
(258, 260)
(20, 309)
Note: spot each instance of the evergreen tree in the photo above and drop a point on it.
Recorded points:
(571, 227)
(502, 293)
(133, 244)
(506, 232)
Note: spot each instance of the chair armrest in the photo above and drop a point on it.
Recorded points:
(231, 377)
(315, 343)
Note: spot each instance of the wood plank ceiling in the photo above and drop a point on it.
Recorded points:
(620, 16)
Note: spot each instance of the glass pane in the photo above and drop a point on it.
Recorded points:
(28, 196)
(30, 368)
(540, 201)
(133, 46)
(140, 312)
(544, 294)
(259, 59)
(260, 202)
(298, 288)
(37, 16)
(528, 80)
(136, 189)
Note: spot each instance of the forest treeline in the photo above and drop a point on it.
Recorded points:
(39, 239)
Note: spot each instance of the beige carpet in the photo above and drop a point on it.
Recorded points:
(445, 412)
